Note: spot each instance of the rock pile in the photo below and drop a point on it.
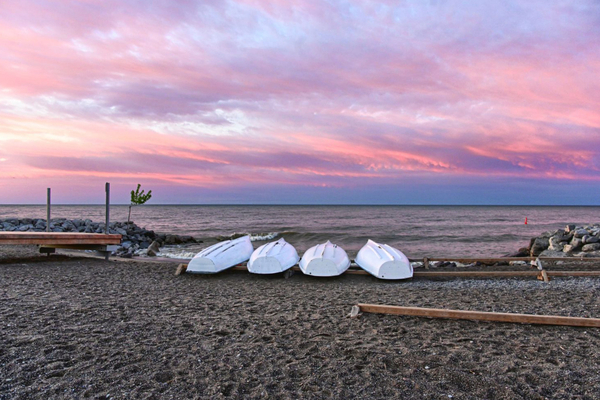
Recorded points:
(576, 241)
(135, 238)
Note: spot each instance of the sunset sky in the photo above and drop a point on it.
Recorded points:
(301, 101)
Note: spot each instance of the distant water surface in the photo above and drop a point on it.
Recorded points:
(419, 231)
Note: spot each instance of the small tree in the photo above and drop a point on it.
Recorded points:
(138, 198)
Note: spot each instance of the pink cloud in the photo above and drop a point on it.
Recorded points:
(304, 92)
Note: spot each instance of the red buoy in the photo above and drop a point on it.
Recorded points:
(525, 220)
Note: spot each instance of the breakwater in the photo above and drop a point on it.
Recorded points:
(571, 241)
(136, 240)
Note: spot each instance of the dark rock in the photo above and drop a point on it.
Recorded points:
(539, 245)
(154, 249)
(576, 243)
(591, 247)
(579, 233)
(523, 252)
(587, 239)
(569, 228)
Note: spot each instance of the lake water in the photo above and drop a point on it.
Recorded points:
(418, 231)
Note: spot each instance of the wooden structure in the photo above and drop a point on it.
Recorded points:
(475, 315)
(544, 275)
(50, 241)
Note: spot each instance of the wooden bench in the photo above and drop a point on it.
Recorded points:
(50, 241)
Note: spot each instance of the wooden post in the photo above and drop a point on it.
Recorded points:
(426, 263)
(107, 190)
(48, 207)
(480, 315)
(106, 229)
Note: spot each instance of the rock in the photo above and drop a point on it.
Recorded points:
(556, 243)
(591, 247)
(568, 248)
(579, 233)
(552, 253)
(172, 239)
(539, 245)
(569, 228)
(576, 243)
(587, 239)
(154, 249)
(522, 252)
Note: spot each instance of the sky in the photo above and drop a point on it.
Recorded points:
(301, 101)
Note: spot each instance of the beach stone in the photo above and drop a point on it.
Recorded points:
(539, 245)
(591, 247)
(568, 248)
(570, 228)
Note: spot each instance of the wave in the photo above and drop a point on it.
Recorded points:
(254, 237)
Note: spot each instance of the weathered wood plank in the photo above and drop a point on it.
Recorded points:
(480, 315)
(58, 238)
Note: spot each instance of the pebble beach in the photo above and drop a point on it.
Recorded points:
(81, 327)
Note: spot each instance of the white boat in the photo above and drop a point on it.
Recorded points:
(273, 258)
(325, 259)
(221, 256)
(383, 261)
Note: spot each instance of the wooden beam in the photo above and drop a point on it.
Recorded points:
(480, 315)
(460, 274)
(487, 260)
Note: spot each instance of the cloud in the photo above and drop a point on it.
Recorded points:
(302, 92)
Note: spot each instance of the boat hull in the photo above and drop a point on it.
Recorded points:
(273, 258)
(221, 256)
(384, 262)
(324, 260)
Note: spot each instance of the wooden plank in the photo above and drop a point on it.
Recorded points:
(181, 268)
(480, 315)
(58, 238)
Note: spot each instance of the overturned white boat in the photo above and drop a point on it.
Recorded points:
(383, 261)
(221, 256)
(325, 259)
(273, 258)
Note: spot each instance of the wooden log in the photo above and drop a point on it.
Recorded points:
(480, 315)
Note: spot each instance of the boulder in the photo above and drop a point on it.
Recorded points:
(576, 243)
(154, 248)
(569, 228)
(587, 239)
(539, 245)
(591, 247)
(579, 233)
(556, 244)
(552, 253)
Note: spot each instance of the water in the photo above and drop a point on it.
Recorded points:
(418, 231)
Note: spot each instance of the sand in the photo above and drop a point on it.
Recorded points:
(85, 328)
